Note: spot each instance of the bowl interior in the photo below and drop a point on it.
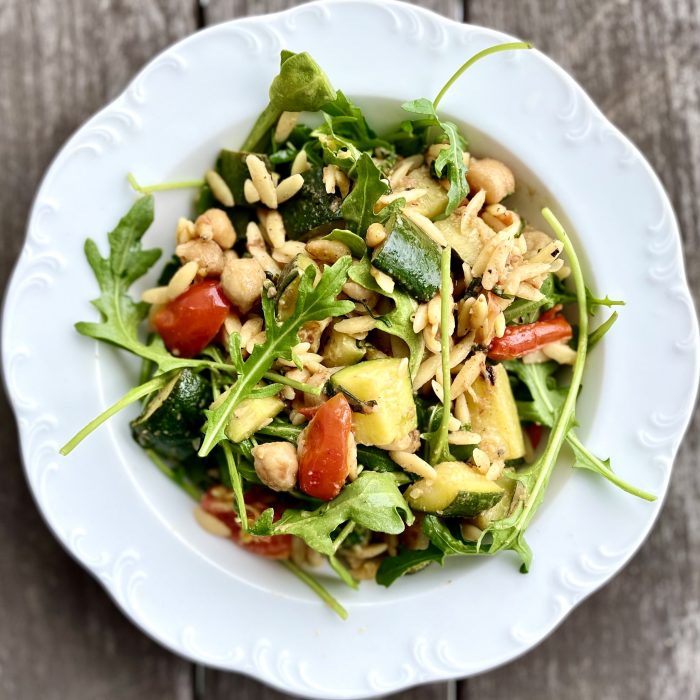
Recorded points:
(117, 373)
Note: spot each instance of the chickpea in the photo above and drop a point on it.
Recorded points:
(206, 254)
(492, 176)
(276, 465)
(215, 225)
(242, 280)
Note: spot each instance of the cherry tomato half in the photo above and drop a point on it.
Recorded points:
(323, 464)
(534, 432)
(189, 323)
(221, 507)
(520, 340)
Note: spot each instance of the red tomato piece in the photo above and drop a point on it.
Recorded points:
(189, 323)
(520, 340)
(217, 502)
(534, 432)
(323, 464)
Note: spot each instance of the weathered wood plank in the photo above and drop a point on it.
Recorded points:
(60, 636)
(640, 62)
(222, 10)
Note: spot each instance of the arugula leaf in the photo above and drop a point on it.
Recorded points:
(547, 400)
(450, 161)
(398, 322)
(372, 501)
(300, 86)
(406, 562)
(120, 315)
(441, 537)
(358, 206)
(355, 243)
(313, 304)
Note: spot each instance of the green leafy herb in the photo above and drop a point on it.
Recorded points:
(450, 161)
(313, 304)
(597, 335)
(355, 243)
(358, 206)
(301, 86)
(406, 562)
(398, 322)
(372, 500)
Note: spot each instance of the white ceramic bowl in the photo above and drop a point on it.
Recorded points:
(214, 603)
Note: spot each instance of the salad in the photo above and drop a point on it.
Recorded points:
(358, 353)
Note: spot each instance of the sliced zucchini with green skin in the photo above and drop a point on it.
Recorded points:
(501, 509)
(494, 415)
(411, 258)
(433, 203)
(312, 211)
(388, 383)
(251, 415)
(458, 491)
(232, 167)
(172, 421)
(466, 244)
(288, 284)
(341, 350)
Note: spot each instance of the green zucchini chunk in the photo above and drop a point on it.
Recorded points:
(411, 258)
(386, 382)
(467, 244)
(458, 491)
(312, 212)
(172, 421)
(232, 167)
(251, 415)
(341, 350)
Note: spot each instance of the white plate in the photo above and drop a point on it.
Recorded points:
(214, 603)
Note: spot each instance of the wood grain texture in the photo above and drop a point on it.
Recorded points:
(60, 635)
(640, 636)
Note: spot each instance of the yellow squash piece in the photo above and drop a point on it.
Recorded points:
(387, 382)
(494, 416)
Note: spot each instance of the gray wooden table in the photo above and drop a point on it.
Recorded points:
(62, 638)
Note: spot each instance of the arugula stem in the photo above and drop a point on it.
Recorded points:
(441, 451)
(162, 186)
(267, 119)
(511, 46)
(130, 397)
(596, 335)
(349, 527)
(185, 485)
(605, 471)
(562, 425)
(317, 588)
(299, 386)
(237, 485)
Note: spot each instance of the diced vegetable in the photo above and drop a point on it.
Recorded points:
(312, 212)
(411, 258)
(232, 167)
(341, 350)
(467, 244)
(220, 505)
(387, 382)
(434, 201)
(323, 450)
(501, 509)
(494, 415)
(458, 491)
(250, 415)
(521, 340)
(189, 323)
(172, 421)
